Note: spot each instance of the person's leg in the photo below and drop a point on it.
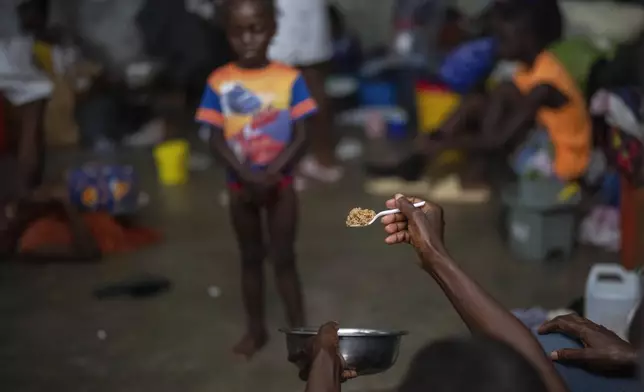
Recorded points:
(172, 104)
(468, 114)
(282, 225)
(247, 222)
(480, 114)
(323, 165)
(322, 132)
(31, 143)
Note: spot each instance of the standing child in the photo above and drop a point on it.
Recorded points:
(255, 109)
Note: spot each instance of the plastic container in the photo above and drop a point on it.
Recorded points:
(539, 229)
(171, 159)
(377, 93)
(545, 193)
(611, 295)
(435, 103)
(397, 127)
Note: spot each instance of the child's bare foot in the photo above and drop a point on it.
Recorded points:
(250, 344)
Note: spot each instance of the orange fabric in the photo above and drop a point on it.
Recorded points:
(108, 233)
(302, 108)
(570, 126)
(211, 116)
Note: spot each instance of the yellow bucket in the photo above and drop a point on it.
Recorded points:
(434, 105)
(171, 158)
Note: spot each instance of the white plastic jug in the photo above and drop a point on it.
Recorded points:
(611, 294)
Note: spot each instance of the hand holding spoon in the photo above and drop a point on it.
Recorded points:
(358, 211)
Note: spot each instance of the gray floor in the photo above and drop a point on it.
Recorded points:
(181, 340)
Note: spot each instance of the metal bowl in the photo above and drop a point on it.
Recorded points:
(367, 351)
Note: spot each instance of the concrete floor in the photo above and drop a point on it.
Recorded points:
(181, 340)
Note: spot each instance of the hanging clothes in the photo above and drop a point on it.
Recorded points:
(622, 110)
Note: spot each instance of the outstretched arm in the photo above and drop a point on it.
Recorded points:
(478, 309)
(484, 315)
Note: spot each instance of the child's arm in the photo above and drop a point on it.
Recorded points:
(293, 152)
(482, 314)
(210, 114)
(515, 125)
(302, 106)
(503, 100)
(220, 147)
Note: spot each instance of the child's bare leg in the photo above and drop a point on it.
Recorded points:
(502, 104)
(282, 224)
(247, 222)
(469, 112)
(322, 143)
(475, 172)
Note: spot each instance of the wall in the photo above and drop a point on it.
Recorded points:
(108, 23)
(371, 19)
(8, 22)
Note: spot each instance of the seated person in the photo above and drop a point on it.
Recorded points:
(541, 93)
(500, 338)
(487, 364)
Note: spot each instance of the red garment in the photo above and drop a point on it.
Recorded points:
(111, 236)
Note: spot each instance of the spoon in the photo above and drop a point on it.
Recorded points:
(388, 212)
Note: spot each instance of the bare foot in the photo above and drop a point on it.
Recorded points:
(250, 344)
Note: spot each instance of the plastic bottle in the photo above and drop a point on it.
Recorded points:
(611, 294)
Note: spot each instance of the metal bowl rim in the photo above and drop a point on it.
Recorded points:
(346, 332)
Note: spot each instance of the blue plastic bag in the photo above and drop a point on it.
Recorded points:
(98, 187)
(467, 65)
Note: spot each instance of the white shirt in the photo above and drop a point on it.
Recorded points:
(21, 81)
(303, 33)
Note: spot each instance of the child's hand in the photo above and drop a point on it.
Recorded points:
(261, 185)
(262, 179)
